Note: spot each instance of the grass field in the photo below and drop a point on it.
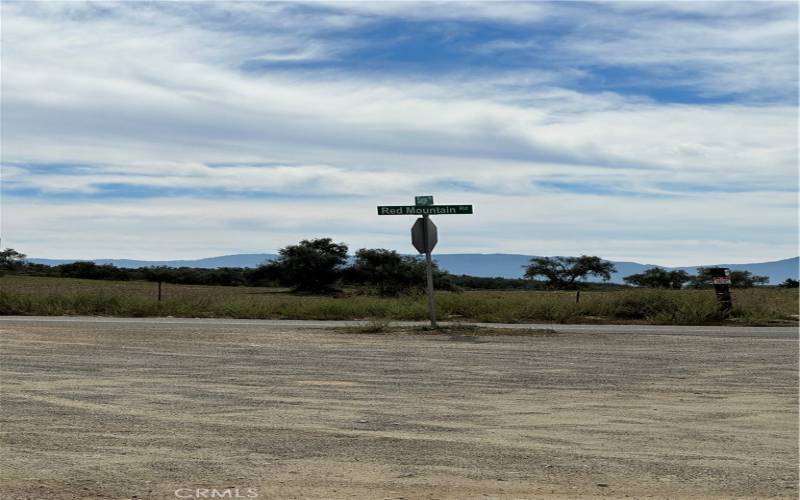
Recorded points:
(27, 295)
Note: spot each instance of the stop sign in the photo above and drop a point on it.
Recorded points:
(424, 235)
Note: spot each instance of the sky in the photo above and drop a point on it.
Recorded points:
(659, 132)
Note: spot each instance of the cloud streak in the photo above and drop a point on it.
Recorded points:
(540, 106)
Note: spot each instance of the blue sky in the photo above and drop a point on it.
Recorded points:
(661, 132)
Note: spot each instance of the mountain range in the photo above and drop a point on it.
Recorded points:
(489, 265)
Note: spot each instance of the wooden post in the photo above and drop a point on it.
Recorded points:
(721, 279)
(159, 290)
(577, 296)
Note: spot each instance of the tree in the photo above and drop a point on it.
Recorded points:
(92, 271)
(265, 274)
(394, 274)
(310, 266)
(745, 279)
(657, 277)
(387, 270)
(158, 273)
(739, 279)
(790, 283)
(10, 259)
(564, 272)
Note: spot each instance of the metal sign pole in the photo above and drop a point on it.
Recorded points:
(425, 235)
(429, 272)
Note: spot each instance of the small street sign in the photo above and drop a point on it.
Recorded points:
(423, 201)
(425, 210)
(424, 235)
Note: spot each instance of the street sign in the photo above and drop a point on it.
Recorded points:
(424, 235)
(423, 201)
(425, 210)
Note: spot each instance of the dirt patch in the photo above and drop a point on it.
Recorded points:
(340, 383)
(455, 330)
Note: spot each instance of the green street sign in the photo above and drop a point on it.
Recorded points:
(425, 210)
(423, 201)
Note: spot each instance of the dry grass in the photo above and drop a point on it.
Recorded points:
(64, 296)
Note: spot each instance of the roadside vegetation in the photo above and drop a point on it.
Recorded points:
(314, 279)
(320, 266)
(29, 295)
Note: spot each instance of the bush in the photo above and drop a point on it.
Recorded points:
(739, 279)
(310, 266)
(90, 270)
(393, 274)
(657, 277)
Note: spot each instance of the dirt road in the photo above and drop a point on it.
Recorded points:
(147, 409)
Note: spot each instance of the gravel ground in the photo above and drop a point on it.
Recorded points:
(142, 410)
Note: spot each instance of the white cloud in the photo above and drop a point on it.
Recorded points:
(155, 96)
(698, 230)
(506, 12)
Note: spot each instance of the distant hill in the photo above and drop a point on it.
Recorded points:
(778, 271)
(502, 265)
(511, 266)
(238, 260)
